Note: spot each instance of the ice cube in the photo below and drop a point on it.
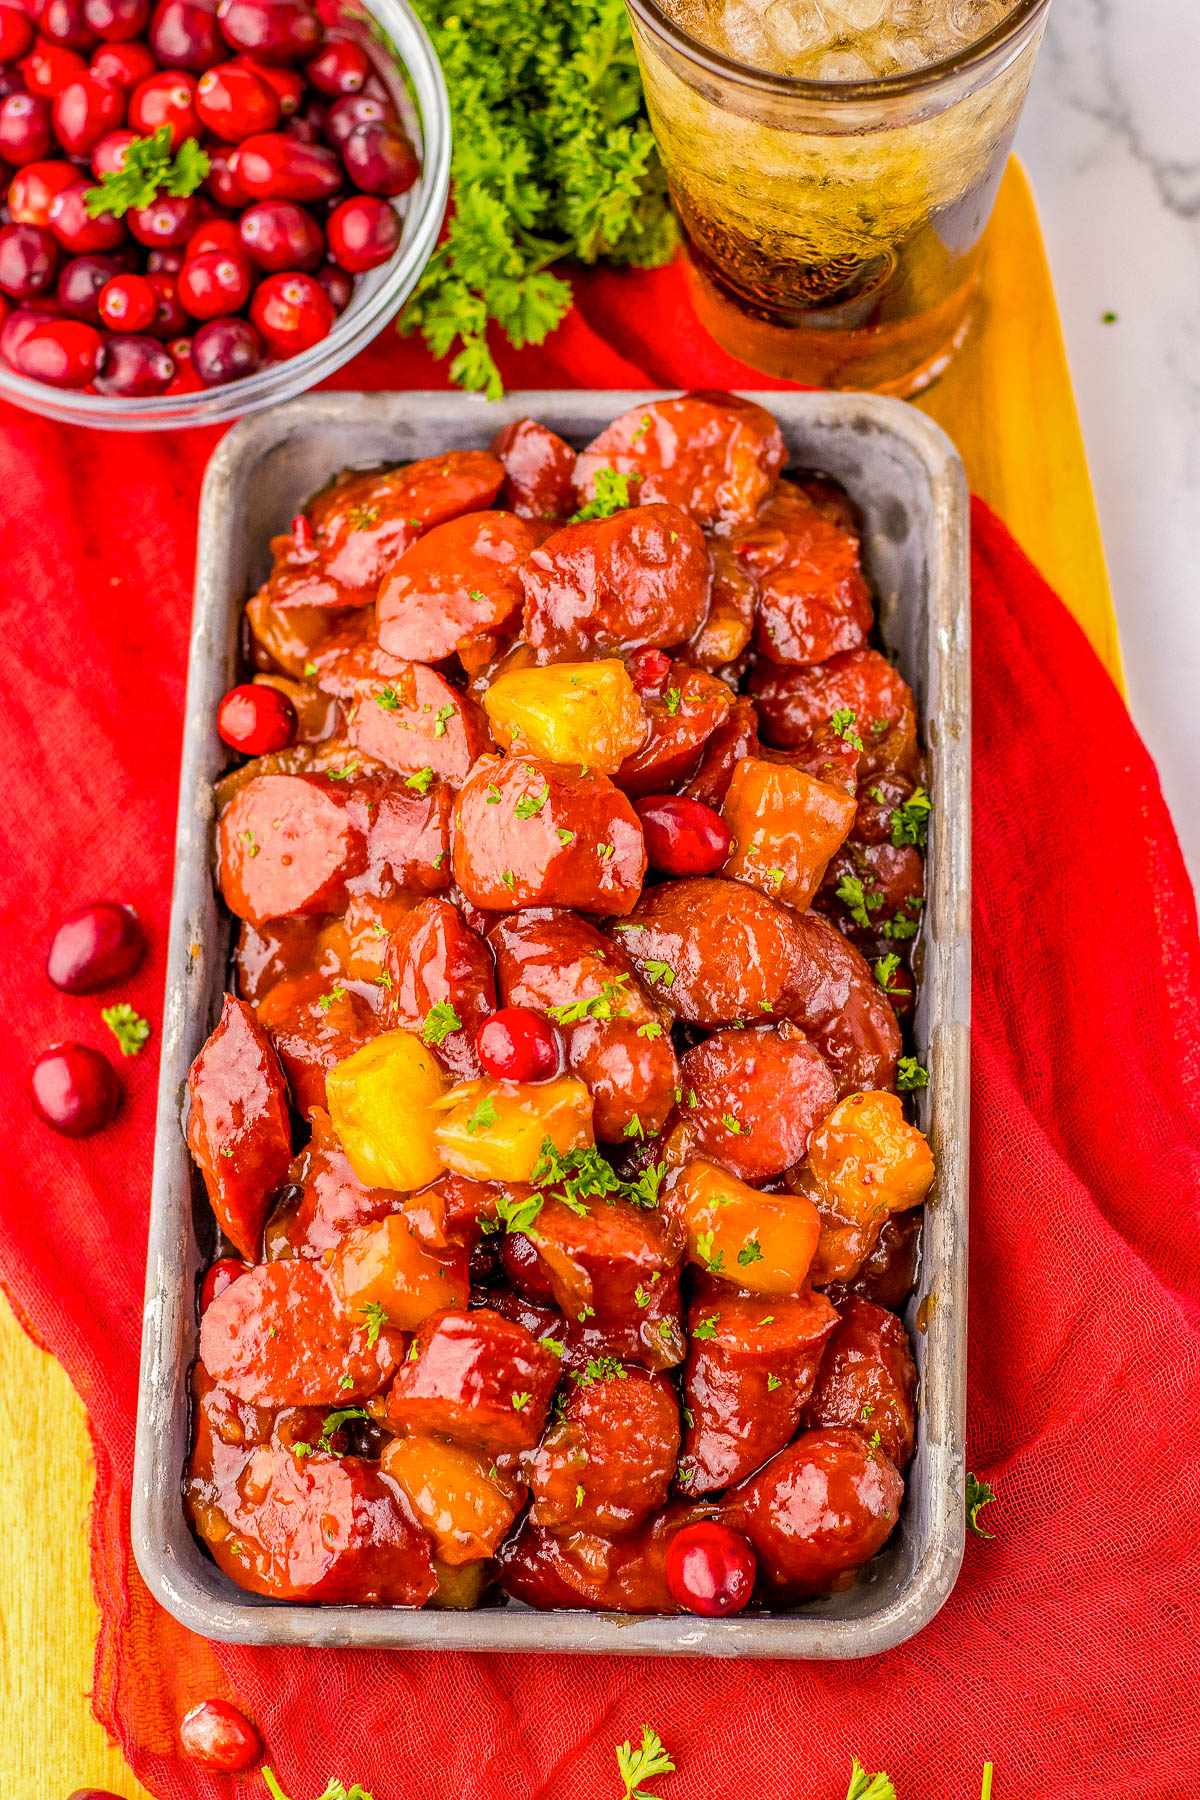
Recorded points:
(740, 35)
(846, 18)
(795, 26)
(842, 65)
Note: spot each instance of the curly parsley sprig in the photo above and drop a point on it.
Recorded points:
(148, 169)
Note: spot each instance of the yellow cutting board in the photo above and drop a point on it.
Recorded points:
(1008, 405)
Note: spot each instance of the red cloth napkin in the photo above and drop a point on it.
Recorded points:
(1065, 1652)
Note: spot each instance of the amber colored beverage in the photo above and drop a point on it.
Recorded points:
(832, 226)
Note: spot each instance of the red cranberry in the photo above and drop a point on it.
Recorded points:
(272, 166)
(363, 233)
(127, 303)
(352, 110)
(341, 66)
(278, 235)
(223, 1274)
(184, 35)
(165, 262)
(123, 65)
(275, 30)
(134, 365)
(116, 21)
(185, 379)
(28, 260)
(75, 1089)
(84, 111)
(18, 325)
(32, 189)
(524, 1267)
(305, 126)
(221, 184)
(170, 320)
(11, 82)
(166, 99)
(710, 1569)
(214, 234)
(49, 67)
(256, 719)
(63, 22)
(649, 669)
(287, 83)
(236, 102)
(166, 223)
(380, 160)
(215, 284)
(293, 312)
(216, 1735)
(82, 282)
(62, 352)
(517, 1044)
(225, 350)
(16, 33)
(683, 837)
(25, 134)
(337, 284)
(108, 158)
(74, 226)
(95, 948)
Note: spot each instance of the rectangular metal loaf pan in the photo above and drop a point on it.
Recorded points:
(909, 482)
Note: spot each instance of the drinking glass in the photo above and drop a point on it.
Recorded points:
(832, 227)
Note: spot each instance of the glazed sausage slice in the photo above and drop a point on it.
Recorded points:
(539, 470)
(279, 1336)
(614, 1270)
(434, 959)
(753, 1098)
(750, 1371)
(533, 833)
(868, 1379)
(679, 721)
(793, 704)
(287, 844)
(238, 1131)
(584, 1571)
(725, 952)
(408, 837)
(608, 1461)
(734, 739)
(477, 1378)
(416, 721)
(836, 999)
(715, 455)
(453, 589)
(640, 577)
(812, 600)
(323, 1198)
(314, 1023)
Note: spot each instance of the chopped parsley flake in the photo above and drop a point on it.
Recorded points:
(660, 971)
(610, 495)
(483, 1116)
(530, 805)
(422, 781)
(773, 1382)
(910, 1075)
(388, 698)
(651, 1029)
(565, 836)
(750, 1252)
(327, 1000)
(493, 795)
(673, 698)
(521, 1401)
(706, 1328)
(885, 969)
(130, 1030)
(843, 723)
(439, 1022)
(910, 822)
(443, 714)
(376, 1319)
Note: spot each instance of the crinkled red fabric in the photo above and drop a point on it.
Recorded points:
(1066, 1652)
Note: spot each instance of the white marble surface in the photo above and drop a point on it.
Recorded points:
(1111, 139)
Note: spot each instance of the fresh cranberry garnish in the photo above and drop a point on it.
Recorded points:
(287, 83)
(221, 183)
(48, 68)
(380, 160)
(517, 1044)
(235, 102)
(127, 303)
(648, 669)
(337, 284)
(62, 352)
(108, 158)
(710, 1569)
(256, 719)
(170, 320)
(184, 35)
(134, 365)
(32, 189)
(215, 284)
(293, 312)
(95, 947)
(341, 66)
(167, 223)
(214, 234)
(683, 837)
(363, 233)
(275, 30)
(84, 111)
(63, 22)
(124, 65)
(278, 234)
(352, 110)
(116, 21)
(25, 128)
(223, 1274)
(28, 261)
(273, 166)
(82, 282)
(225, 350)
(16, 33)
(168, 98)
(75, 1089)
(216, 1735)
(75, 227)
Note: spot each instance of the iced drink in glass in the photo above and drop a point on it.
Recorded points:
(833, 164)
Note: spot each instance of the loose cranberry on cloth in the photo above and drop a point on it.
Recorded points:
(1063, 1652)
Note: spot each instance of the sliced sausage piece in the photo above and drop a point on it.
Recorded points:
(279, 1336)
(417, 721)
(715, 455)
(836, 1000)
(454, 588)
(794, 704)
(287, 844)
(268, 953)
(812, 600)
(477, 1378)
(323, 1198)
(868, 1380)
(734, 738)
(726, 632)
(313, 1024)
(238, 1131)
(614, 1270)
(433, 961)
(753, 1098)
(596, 1574)
(679, 723)
(750, 1372)
(539, 470)
(819, 1510)
(608, 1461)
(533, 833)
(408, 837)
(874, 891)
(640, 577)
(723, 952)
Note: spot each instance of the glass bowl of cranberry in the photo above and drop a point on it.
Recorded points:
(209, 205)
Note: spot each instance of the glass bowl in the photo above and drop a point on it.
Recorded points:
(405, 60)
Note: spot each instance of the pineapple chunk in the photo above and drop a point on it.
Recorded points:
(868, 1160)
(495, 1130)
(762, 1242)
(786, 826)
(384, 1264)
(569, 713)
(381, 1103)
(463, 1501)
